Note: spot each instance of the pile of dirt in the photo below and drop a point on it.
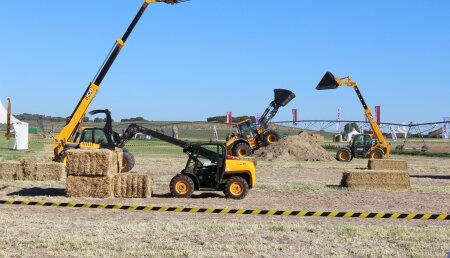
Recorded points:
(297, 147)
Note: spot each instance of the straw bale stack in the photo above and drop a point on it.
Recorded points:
(388, 180)
(387, 164)
(133, 185)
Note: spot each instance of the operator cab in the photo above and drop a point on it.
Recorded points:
(207, 162)
(96, 136)
(247, 129)
(361, 144)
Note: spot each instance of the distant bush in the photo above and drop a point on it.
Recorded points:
(35, 117)
(223, 119)
(134, 119)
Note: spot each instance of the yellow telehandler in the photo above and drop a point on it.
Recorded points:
(372, 146)
(65, 139)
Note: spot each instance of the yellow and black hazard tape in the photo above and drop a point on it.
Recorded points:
(362, 215)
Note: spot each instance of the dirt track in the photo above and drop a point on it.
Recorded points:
(284, 185)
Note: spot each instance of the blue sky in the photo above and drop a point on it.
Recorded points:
(206, 57)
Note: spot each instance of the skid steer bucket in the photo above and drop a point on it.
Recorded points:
(283, 97)
(327, 83)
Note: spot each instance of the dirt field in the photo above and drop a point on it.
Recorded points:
(284, 185)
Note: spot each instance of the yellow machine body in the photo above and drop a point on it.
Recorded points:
(241, 167)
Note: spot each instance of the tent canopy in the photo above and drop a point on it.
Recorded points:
(3, 116)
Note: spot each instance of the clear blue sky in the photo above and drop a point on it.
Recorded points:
(206, 57)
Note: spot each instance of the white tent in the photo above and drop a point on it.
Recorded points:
(351, 134)
(20, 129)
(401, 131)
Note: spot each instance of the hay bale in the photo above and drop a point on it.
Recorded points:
(11, 171)
(119, 153)
(29, 166)
(132, 185)
(50, 171)
(91, 162)
(95, 187)
(387, 180)
(387, 164)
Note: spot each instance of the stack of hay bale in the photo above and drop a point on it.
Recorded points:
(388, 174)
(96, 173)
(33, 170)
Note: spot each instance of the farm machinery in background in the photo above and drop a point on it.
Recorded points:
(65, 138)
(372, 146)
(251, 136)
(208, 168)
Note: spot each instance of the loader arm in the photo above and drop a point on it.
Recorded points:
(281, 99)
(75, 120)
(134, 129)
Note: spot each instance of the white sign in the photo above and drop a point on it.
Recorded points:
(393, 133)
(445, 129)
(338, 119)
(216, 135)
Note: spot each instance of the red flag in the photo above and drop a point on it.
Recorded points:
(378, 114)
(229, 118)
(294, 116)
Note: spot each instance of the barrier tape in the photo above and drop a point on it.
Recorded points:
(362, 215)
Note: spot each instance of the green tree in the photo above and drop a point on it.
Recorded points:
(350, 126)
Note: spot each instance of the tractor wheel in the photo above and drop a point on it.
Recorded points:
(241, 150)
(127, 162)
(181, 186)
(271, 136)
(344, 154)
(236, 188)
(377, 154)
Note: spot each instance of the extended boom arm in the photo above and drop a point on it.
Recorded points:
(282, 98)
(331, 82)
(81, 109)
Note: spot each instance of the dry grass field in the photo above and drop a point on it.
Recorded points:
(293, 185)
(283, 185)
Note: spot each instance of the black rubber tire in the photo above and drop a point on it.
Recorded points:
(181, 186)
(230, 188)
(270, 137)
(241, 150)
(344, 154)
(377, 154)
(127, 162)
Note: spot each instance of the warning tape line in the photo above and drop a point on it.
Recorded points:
(362, 215)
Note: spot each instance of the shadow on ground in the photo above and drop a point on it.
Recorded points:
(431, 176)
(37, 191)
(194, 196)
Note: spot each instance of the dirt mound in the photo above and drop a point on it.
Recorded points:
(297, 147)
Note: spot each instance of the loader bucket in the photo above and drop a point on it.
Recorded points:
(327, 83)
(283, 97)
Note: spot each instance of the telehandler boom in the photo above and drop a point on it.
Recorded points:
(362, 146)
(63, 140)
